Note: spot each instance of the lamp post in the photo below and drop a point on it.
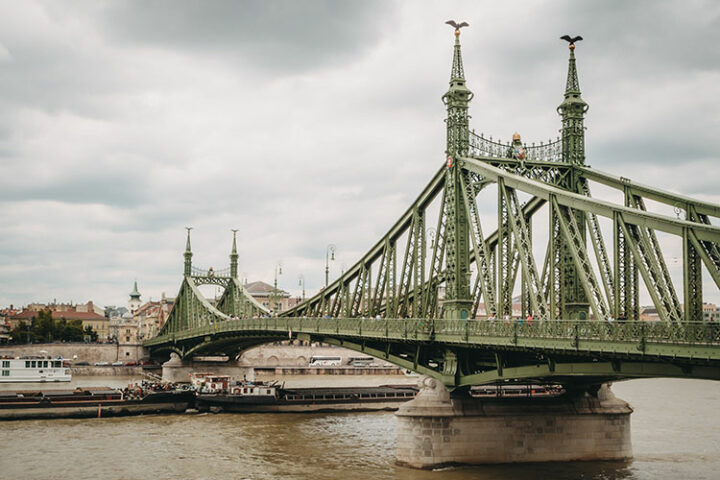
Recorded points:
(278, 271)
(329, 255)
(431, 235)
(301, 283)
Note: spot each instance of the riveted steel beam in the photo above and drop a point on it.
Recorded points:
(651, 193)
(600, 207)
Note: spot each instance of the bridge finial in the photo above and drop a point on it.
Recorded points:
(188, 254)
(234, 256)
(572, 110)
(457, 73)
(572, 86)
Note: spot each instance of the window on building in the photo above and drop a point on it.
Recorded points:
(32, 364)
(6, 363)
(127, 339)
(27, 364)
(6, 373)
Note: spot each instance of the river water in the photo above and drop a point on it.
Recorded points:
(675, 428)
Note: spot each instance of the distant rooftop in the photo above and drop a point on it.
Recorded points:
(262, 289)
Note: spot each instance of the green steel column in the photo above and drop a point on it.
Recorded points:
(188, 254)
(458, 301)
(233, 300)
(574, 302)
(692, 273)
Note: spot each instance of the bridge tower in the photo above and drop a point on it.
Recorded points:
(188, 254)
(234, 257)
(572, 303)
(458, 299)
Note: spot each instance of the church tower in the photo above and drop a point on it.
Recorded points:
(134, 302)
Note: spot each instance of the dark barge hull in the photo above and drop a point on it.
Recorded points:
(300, 400)
(84, 406)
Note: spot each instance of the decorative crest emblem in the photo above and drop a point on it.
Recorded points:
(457, 25)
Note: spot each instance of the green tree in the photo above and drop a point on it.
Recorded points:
(22, 333)
(43, 326)
(92, 334)
(73, 331)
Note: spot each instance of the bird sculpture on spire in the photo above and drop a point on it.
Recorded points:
(571, 40)
(457, 26)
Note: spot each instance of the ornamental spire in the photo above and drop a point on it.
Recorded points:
(188, 254)
(234, 257)
(458, 73)
(572, 110)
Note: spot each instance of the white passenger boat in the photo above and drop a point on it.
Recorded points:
(33, 369)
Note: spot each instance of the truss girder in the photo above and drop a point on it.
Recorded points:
(430, 301)
(655, 263)
(709, 251)
(236, 301)
(603, 208)
(631, 236)
(571, 232)
(598, 243)
(523, 246)
(397, 230)
(651, 193)
(485, 283)
(191, 310)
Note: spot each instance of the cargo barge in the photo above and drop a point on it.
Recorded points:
(94, 402)
(251, 397)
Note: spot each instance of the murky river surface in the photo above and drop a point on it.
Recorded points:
(675, 428)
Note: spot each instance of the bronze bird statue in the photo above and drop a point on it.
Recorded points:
(457, 26)
(571, 40)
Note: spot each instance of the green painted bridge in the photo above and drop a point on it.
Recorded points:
(453, 300)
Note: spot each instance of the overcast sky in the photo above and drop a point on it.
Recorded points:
(305, 123)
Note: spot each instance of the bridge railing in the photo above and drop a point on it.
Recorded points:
(468, 331)
(481, 146)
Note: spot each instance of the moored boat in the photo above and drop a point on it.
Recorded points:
(35, 369)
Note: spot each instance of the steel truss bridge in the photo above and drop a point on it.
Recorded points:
(500, 221)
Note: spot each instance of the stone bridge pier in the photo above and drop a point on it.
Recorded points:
(177, 370)
(437, 429)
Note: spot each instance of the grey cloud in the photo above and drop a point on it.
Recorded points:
(105, 190)
(284, 35)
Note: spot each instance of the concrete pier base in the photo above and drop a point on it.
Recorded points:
(436, 429)
(177, 370)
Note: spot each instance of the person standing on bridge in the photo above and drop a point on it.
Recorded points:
(530, 319)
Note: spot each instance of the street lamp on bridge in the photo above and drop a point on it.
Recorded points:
(273, 302)
(329, 255)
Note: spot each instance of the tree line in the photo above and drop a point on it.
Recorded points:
(43, 328)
